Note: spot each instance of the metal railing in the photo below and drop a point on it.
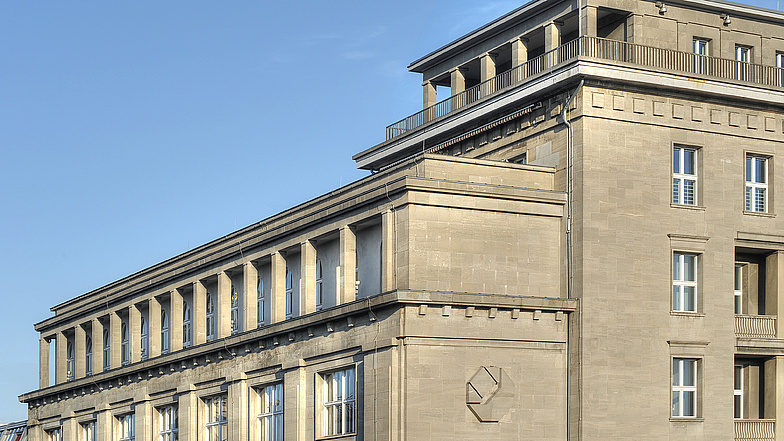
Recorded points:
(753, 430)
(755, 326)
(601, 49)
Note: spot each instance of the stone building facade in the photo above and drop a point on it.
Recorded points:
(580, 242)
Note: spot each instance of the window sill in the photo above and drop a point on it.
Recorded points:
(686, 314)
(686, 420)
(688, 207)
(759, 214)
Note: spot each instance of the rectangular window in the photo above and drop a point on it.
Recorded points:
(339, 397)
(217, 421)
(260, 301)
(88, 431)
(270, 418)
(319, 285)
(684, 387)
(289, 295)
(684, 282)
(742, 60)
(684, 176)
(738, 391)
(235, 311)
(700, 57)
(780, 68)
(210, 318)
(54, 435)
(739, 288)
(756, 183)
(168, 427)
(127, 427)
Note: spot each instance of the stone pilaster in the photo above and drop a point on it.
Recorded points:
(277, 288)
(307, 287)
(175, 320)
(348, 265)
(249, 301)
(154, 327)
(223, 306)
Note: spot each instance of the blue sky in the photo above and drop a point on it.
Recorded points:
(131, 132)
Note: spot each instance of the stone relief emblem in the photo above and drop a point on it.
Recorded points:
(490, 394)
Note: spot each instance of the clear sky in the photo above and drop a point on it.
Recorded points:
(131, 132)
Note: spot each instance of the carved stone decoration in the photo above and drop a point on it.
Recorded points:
(490, 394)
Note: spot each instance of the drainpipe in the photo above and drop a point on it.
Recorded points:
(569, 294)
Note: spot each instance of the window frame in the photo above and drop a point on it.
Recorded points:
(743, 57)
(678, 302)
(319, 285)
(88, 355)
(70, 360)
(260, 300)
(680, 177)
(738, 287)
(738, 392)
(336, 381)
(125, 345)
(700, 48)
(145, 339)
(107, 350)
(187, 326)
(209, 317)
(235, 311)
(87, 431)
(678, 375)
(168, 423)
(222, 422)
(751, 187)
(780, 68)
(126, 427)
(165, 332)
(289, 295)
(269, 416)
(55, 434)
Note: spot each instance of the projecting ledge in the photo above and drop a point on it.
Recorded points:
(759, 346)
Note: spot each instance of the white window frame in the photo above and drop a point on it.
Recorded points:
(54, 434)
(168, 424)
(684, 183)
(187, 326)
(270, 417)
(700, 48)
(125, 345)
(209, 317)
(738, 282)
(738, 380)
(145, 339)
(165, 333)
(681, 282)
(235, 311)
(289, 295)
(126, 425)
(780, 68)
(70, 357)
(680, 388)
(88, 431)
(216, 423)
(742, 62)
(319, 285)
(88, 355)
(107, 350)
(260, 297)
(753, 187)
(339, 398)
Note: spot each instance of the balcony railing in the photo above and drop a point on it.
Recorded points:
(603, 49)
(755, 326)
(753, 430)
